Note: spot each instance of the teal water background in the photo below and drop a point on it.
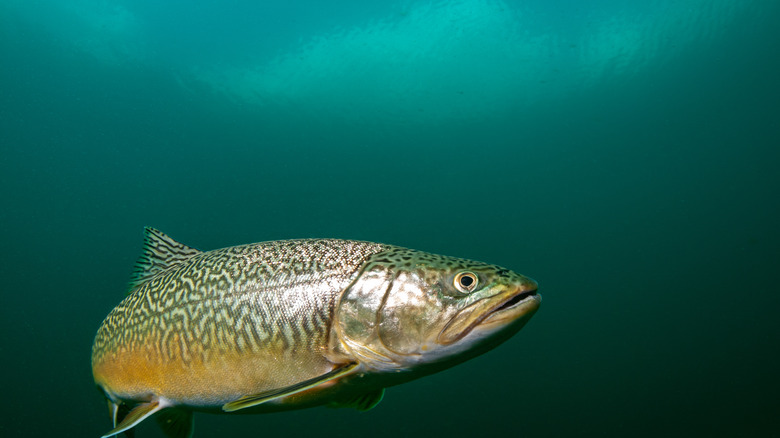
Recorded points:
(623, 154)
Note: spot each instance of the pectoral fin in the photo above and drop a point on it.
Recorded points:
(263, 397)
(135, 416)
(363, 402)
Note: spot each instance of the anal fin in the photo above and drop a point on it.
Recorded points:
(135, 416)
(118, 412)
(113, 411)
(263, 397)
(176, 423)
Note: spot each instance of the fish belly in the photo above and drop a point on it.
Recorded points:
(221, 378)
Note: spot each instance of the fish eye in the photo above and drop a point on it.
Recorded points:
(466, 281)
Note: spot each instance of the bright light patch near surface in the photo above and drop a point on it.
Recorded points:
(444, 60)
(425, 62)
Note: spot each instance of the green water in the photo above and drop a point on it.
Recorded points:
(624, 156)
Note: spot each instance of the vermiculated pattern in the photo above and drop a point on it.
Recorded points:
(242, 298)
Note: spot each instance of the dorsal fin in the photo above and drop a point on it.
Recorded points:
(160, 253)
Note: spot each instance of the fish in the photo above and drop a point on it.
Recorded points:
(293, 324)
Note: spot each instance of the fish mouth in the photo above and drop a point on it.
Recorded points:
(520, 304)
(515, 301)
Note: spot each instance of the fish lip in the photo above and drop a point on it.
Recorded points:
(526, 301)
(520, 304)
(516, 300)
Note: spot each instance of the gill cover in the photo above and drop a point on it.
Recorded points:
(388, 315)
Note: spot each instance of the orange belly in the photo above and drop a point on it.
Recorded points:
(209, 381)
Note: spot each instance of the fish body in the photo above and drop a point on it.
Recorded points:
(292, 324)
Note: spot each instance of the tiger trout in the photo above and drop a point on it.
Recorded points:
(293, 324)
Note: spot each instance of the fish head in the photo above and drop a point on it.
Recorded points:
(414, 311)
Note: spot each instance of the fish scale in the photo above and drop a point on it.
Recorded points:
(291, 324)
